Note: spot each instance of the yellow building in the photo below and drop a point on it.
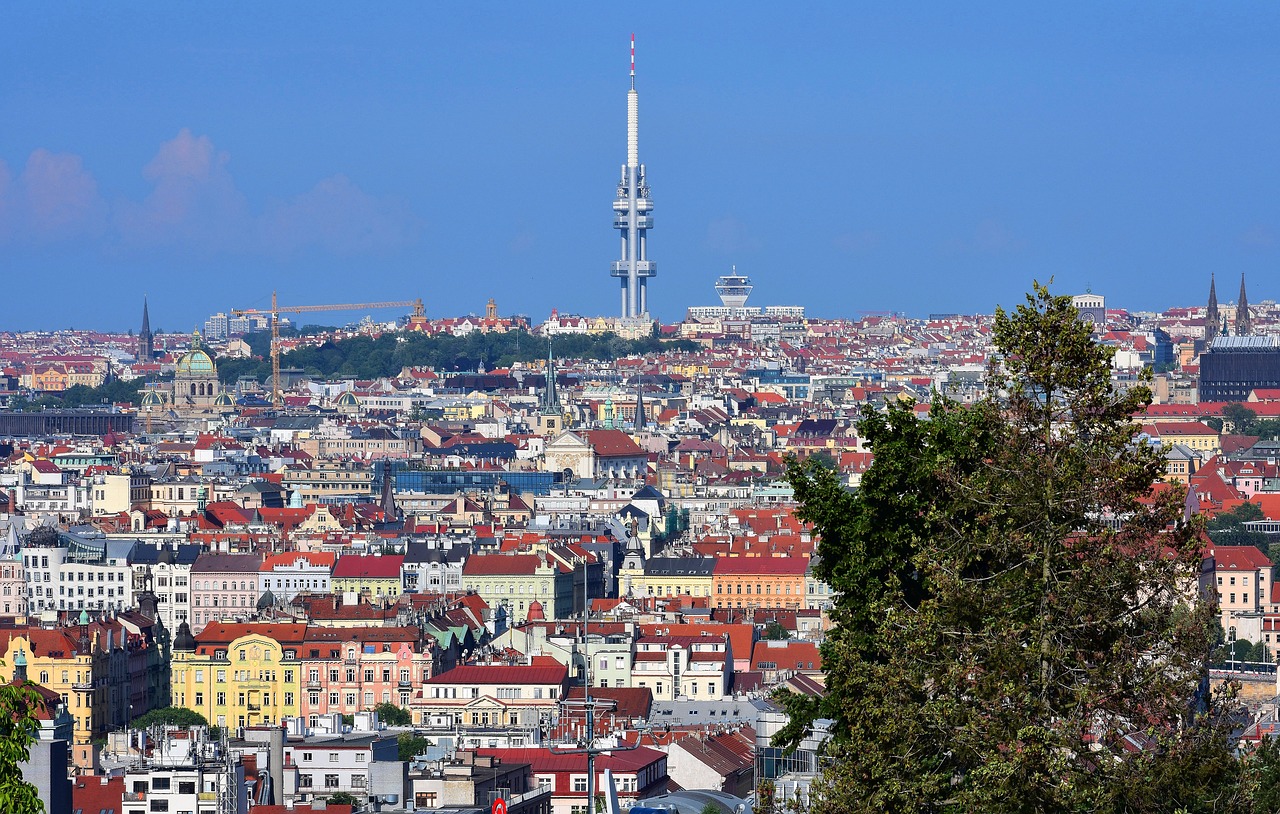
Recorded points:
(106, 672)
(237, 674)
(668, 576)
(376, 575)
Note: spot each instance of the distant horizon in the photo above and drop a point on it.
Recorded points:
(907, 159)
(535, 320)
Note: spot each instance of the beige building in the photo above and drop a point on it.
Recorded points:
(326, 480)
(119, 492)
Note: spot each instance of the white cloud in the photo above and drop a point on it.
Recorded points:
(338, 216)
(195, 204)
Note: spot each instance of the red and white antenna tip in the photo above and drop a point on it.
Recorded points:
(633, 56)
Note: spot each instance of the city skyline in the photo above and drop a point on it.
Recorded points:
(907, 161)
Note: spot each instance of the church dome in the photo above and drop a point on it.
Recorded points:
(152, 398)
(224, 399)
(536, 613)
(196, 362)
(348, 399)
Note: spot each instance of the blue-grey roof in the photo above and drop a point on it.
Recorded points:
(680, 566)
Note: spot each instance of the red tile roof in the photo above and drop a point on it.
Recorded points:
(351, 566)
(785, 566)
(1239, 558)
(541, 670)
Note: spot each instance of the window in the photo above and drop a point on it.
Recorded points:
(199, 699)
(186, 787)
(160, 784)
(580, 783)
(330, 781)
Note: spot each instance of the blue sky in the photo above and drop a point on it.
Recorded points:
(848, 157)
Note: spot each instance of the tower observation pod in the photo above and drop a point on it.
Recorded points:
(632, 214)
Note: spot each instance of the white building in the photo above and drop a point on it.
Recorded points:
(74, 572)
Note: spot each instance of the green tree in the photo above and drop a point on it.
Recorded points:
(996, 634)
(411, 745)
(1243, 421)
(169, 716)
(391, 715)
(1228, 528)
(775, 631)
(342, 798)
(19, 708)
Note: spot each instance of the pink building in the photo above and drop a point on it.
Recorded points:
(224, 587)
(349, 670)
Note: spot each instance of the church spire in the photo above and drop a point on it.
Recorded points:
(1211, 318)
(146, 344)
(550, 397)
(1244, 325)
(640, 416)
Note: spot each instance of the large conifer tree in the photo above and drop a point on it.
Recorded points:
(1015, 600)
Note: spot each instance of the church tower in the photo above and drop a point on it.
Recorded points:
(146, 343)
(1244, 325)
(1211, 319)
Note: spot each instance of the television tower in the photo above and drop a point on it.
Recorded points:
(631, 214)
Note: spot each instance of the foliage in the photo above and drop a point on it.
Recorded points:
(411, 745)
(391, 715)
(169, 716)
(343, 798)
(18, 725)
(1227, 528)
(1245, 421)
(1263, 775)
(995, 637)
(348, 719)
(366, 357)
(774, 631)
(765, 793)
(115, 391)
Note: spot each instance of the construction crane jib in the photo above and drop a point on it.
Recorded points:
(277, 394)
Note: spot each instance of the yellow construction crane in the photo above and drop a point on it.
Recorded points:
(277, 394)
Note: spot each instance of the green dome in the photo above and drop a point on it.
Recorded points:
(152, 398)
(196, 363)
(224, 399)
(348, 399)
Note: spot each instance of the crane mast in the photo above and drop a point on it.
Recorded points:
(277, 394)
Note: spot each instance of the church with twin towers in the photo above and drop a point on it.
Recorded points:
(1215, 323)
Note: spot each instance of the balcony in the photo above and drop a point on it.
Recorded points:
(135, 796)
(314, 683)
(207, 796)
(405, 682)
